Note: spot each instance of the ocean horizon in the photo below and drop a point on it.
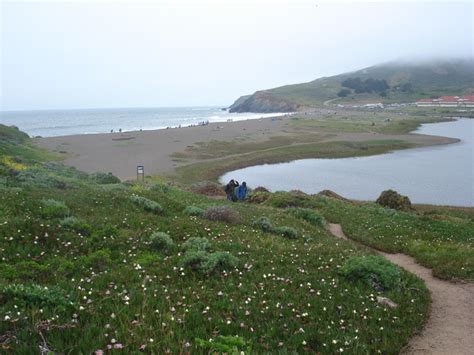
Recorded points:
(54, 123)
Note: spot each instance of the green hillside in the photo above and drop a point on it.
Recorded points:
(91, 263)
(407, 82)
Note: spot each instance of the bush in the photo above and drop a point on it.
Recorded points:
(146, 204)
(51, 208)
(287, 199)
(207, 263)
(104, 178)
(372, 270)
(286, 232)
(197, 243)
(162, 242)
(193, 211)
(308, 215)
(73, 223)
(221, 213)
(260, 189)
(258, 197)
(263, 223)
(393, 199)
(99, 260)
(208, 188)
(35, 295)
(160, 188)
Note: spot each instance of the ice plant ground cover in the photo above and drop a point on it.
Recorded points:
(98, 283)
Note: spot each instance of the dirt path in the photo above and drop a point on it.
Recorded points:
(450, 326)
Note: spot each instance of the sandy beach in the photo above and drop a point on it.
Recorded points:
(120, 153)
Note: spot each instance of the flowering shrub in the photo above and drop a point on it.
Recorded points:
(162, 242)
(307, 215)
(146, 204)
(193, 211)
(51, 208)
(372, 270)
(221, 213)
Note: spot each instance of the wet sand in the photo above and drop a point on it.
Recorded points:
(120, 153)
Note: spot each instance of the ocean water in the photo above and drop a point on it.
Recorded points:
(442, 175)
(51, 123)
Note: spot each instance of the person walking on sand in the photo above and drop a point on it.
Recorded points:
(242, 191)
(230, 190)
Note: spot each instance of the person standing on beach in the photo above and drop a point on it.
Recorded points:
(242, 191)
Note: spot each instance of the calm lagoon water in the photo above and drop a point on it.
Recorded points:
(442, 175)
(67, 122)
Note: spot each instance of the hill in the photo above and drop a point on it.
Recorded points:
(90, 263)
(389, 82)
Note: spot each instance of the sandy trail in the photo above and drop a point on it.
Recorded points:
(450, 326)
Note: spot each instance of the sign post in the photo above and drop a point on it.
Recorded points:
(140, 171)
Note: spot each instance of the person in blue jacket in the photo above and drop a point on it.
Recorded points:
(242, 191)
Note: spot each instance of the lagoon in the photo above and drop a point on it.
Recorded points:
(441, 175)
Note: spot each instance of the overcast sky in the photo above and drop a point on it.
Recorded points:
(73, 54)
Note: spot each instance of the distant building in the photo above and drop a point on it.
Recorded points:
(447, 101)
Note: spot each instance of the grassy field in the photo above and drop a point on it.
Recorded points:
(89, 263)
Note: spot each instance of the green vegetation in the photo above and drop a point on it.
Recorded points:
(441, 239)
(162, 242)
(51, 208)
(146, 204)
(375, 271)
(243, 289)
(399, 82)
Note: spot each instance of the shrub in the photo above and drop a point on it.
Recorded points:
(260, 189)
(225, 345)
(307, 215)
(219, 261)
(393, 199)
(193, 211)
(263, 223)
(162, 242)
(194, 259)
(51, 208)
(207, 263)
(286, 199)
(197, 243)
(221, 213)
(98, 260)
(73, 223)
(258, 197)
(146, 204)
(35, 295)
(372, 270)
(160, 188)
(286, 232)
(104, 178)
(208, 188)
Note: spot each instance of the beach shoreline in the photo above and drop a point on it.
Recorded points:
(164, 151)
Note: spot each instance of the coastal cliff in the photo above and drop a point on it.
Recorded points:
(386, 83)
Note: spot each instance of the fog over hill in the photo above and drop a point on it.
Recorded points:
(396, 81)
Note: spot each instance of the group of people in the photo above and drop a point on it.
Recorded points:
(236, 192)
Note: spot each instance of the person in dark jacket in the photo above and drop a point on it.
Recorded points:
(242, 191)
(230, 190)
